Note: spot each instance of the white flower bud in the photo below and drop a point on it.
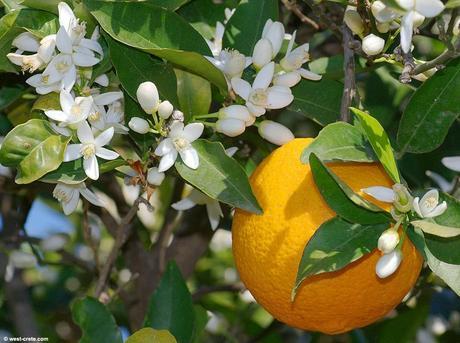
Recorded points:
(252, 120)
(373, 45)
(53, 243)
(20, 259)
(388, 264)
(178, 115)
(388, 241)
(275, 132)
(353, 20)
(383, 13)
(154, 177)
(274, 32)
(239, 112)
(262, 54)
(165, 109)
(139, 125)
(230, 127)
(147, 95)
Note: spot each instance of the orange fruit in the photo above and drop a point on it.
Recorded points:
(268, 248)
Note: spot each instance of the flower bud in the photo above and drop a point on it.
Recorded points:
(165, 109)
(383, 13)
(274, 32)
(239, 112)
(373, 45)
(147, 95)
(139, 125)
(262, 54)
(382, 27)
(154, 177)
(230, 127)
(26, 42)
(388, 264)
(403, 199)
(20, 259)
(178, 115)
(388, 241)
(275, 132)
(353, 20)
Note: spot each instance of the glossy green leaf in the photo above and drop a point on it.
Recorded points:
(203, 15)
(334, 245)
(172, 5)
(201, 319)
(171, 306)
(431, 111)
(12, 24)
(378, 138)
(346, 203)
(194, 94)
(219, 176)
(453, 4)
(317, 100)
(72, 172)
(47, 102)
(134, 67)
(95, 321)
(149, 335)
(34, 148)
(432, 228)
(159, 32)
(449, 273)
(340, 141)
(245, 27)
(8, 95)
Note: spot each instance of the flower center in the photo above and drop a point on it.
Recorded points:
(61, 195)
(430, 203)
(88, 150)
(62, 67)
(45, 79)
(94, 116)
(180, 144)
(258, 97)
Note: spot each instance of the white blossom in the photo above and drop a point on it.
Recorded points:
(275, 133)
(165, 109)
(69, 195)
(442, 183)
(179, 142)
(89, 148)
(231, 127)
(154, 177)
(231, 63)
(388, 241)
(353, 20)
(260, 96)
(388, 264)
(452, 162)
(373, 45)
(216, 43)
(73, 111)
(148, 97)
(429, 206)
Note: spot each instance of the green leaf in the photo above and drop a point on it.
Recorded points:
(244, 28)
(72, 172)
(95, 321)
(8, 95)
(34, 148)
(134, 67)
(341, 198)
(334, 245)
(219, 176)
(317, 100)
(203, 15)
(172, 5)
(194, 94)
(453, 4)
(449, 273)
(340, 141)
(149, 335)
(47, 102)
(159, 32)
(431, 111)
(12, 24)
(380, 143)
(431, 227)
(201, 319)
(171, 306)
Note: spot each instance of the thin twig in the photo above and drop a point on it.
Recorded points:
(408, 68)
(122, 235)
(438, 61)
(201, 292)
(349, 87)
(87, 234)
(291, 5)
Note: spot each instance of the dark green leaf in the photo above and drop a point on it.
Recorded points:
(244, 28)
(431, 111)
(171, 306)
(334, 245)
(340, 141)
(317, 100)
(449, 273)
(34, 148)
(346, 203)
(194, 94)
(219, 176)
(203, 15)
(201, 319)
(159, 32)
(95, 321)
(9, 95)
(134, 67)
(378, 138)
(72, 172)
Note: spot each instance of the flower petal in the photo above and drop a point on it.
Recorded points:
(67, 101)
(264, 76)
(164, 147)
(309, 75)
(167, 161)
(84, 133)
(91, 197)
(63, 41)
(277, 98)
(176, 129)
(91, 167)
(440, 209)
(380, 193)
(106, 154)
(190, 158)
(92, 45)
(241, 87)
(57, 115)
(184, 204)
(107, 98)
(407, 26)
(452, 163)
(193, 131)
(416, 206)
(429, 8)
(84, 60)
(66, 16)
(214, 213)
(104, 138)
(72, 152)
(70, 206)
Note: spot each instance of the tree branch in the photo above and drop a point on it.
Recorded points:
(295, 9)
(349, 84)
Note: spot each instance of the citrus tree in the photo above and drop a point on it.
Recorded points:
(240, 171)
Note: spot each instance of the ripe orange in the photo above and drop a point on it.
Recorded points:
(268, 248)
